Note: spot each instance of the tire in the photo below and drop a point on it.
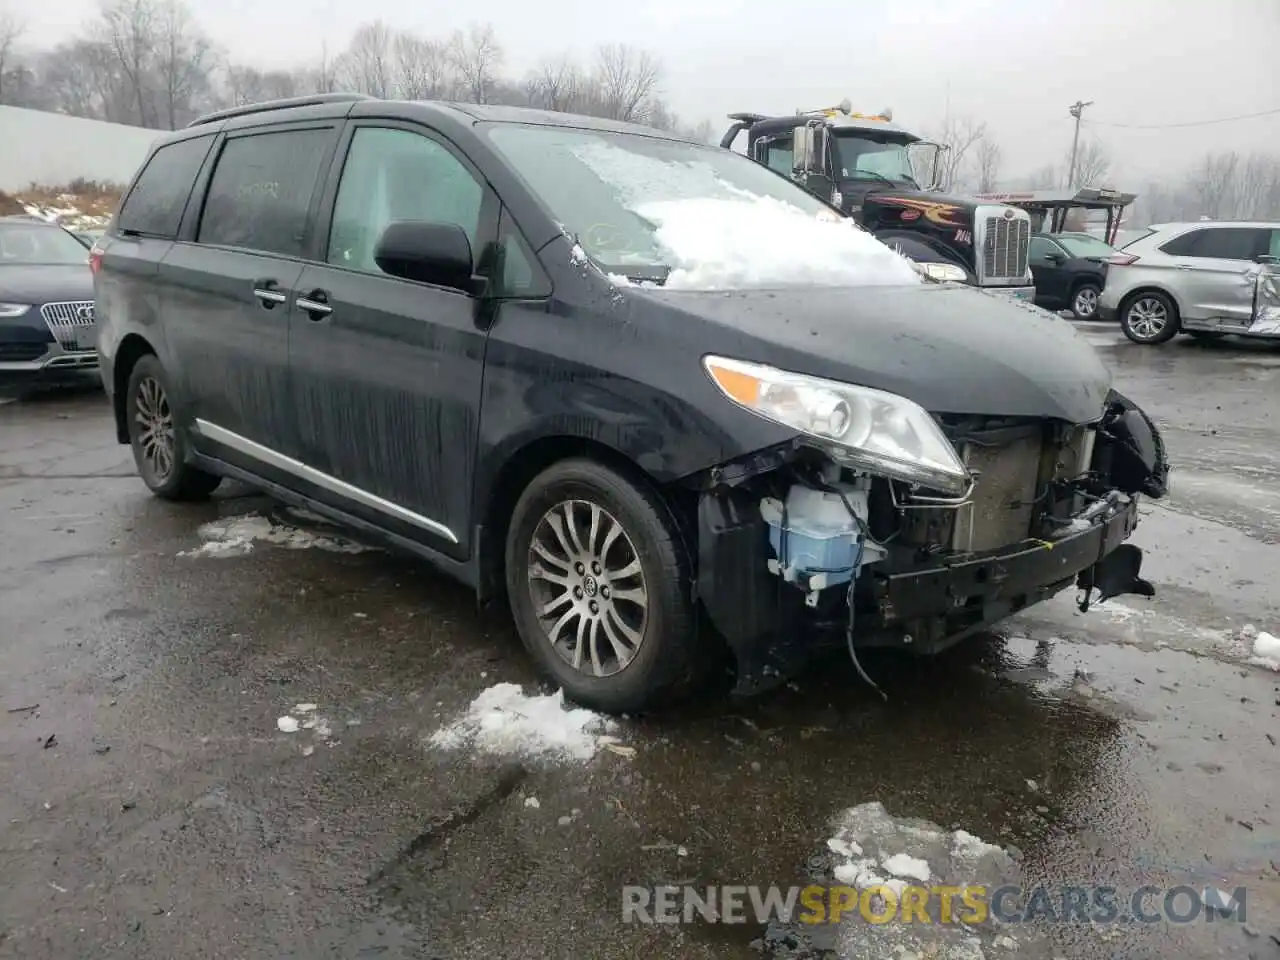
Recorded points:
(647, 561)
(1084, 301)
(1150, 318)
(162, 465)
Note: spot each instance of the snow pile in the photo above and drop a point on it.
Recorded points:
(1266, 647)
(751, 242)
(304, 717)
(717, 236)
(870, 848)
(236, 536)
(504, 720)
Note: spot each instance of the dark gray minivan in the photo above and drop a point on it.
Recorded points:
(655, 395)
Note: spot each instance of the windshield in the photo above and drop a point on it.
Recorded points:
(1086, 246)
(689, 215)
(34, 244)
(861, 158)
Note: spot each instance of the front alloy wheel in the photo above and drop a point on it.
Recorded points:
(588, 588)
(598, 581)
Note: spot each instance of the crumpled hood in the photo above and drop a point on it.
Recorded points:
(951, 349)
(21, 283)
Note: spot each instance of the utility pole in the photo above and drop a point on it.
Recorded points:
(1075, 110)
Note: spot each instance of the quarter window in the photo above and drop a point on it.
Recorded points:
(261, 189)
(519, 274)
(155, 204)
(392, 175)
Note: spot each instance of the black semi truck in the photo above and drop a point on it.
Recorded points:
(872, 169)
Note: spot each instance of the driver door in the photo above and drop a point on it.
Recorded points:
(386, 372)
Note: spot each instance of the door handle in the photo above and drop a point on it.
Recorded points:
(316, 304)
(267, 294)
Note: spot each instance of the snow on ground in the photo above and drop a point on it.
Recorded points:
(872, 848)
(1266, 647)
(505, 720)
(236, 536)
(304, 717)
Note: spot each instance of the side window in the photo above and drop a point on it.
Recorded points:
(155, 204)
(1230, 243)
(519, 274)
(261, 190)
(393, 174)
(1182, 246)
(1273, 247)
(1041, 248)
(1217, 243)
(780, 154)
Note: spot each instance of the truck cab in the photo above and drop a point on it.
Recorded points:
(887, 179)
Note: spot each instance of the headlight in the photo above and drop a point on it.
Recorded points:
(862, 428)
(943, 271)
(8, 310)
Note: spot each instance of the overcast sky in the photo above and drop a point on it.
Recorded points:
(1016, 64)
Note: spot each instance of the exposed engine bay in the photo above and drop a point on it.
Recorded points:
(791, 539)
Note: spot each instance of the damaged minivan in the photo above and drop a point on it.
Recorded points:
(654, 396)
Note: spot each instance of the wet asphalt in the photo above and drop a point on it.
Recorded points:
(152, 809)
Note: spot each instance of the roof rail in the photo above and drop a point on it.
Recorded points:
(251, 108)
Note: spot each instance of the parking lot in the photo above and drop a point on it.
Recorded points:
(218, 721)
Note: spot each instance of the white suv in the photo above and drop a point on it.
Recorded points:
(1196, 278)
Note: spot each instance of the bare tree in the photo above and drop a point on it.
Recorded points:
(1046, 178)
(251, 85)
(422, 68)
(989, 161)
(1211, 183)
(129, 29)
(1093, 163)
(627, 81)
(476, 56)
(183, 55)
(961, 135)
(366, 65)
(10, 32)
(556, 84)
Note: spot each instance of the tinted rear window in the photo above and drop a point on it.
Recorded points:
(1219, 243)
(154, 205)
(261, 191)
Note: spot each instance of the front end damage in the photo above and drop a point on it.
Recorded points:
(796, 551)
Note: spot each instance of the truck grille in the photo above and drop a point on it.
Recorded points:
(71, 323)
(1005, 245)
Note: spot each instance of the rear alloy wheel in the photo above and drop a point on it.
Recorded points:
(1084, 304)
(159, 448)
(1149, 318)
(597, 581)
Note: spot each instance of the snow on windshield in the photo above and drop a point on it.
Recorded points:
(748, 242)
(715, 235)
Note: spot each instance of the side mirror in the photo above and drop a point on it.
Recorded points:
(925, 158)
(1055, 257)
(428, 252)
(809, 149)
(802, 150)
